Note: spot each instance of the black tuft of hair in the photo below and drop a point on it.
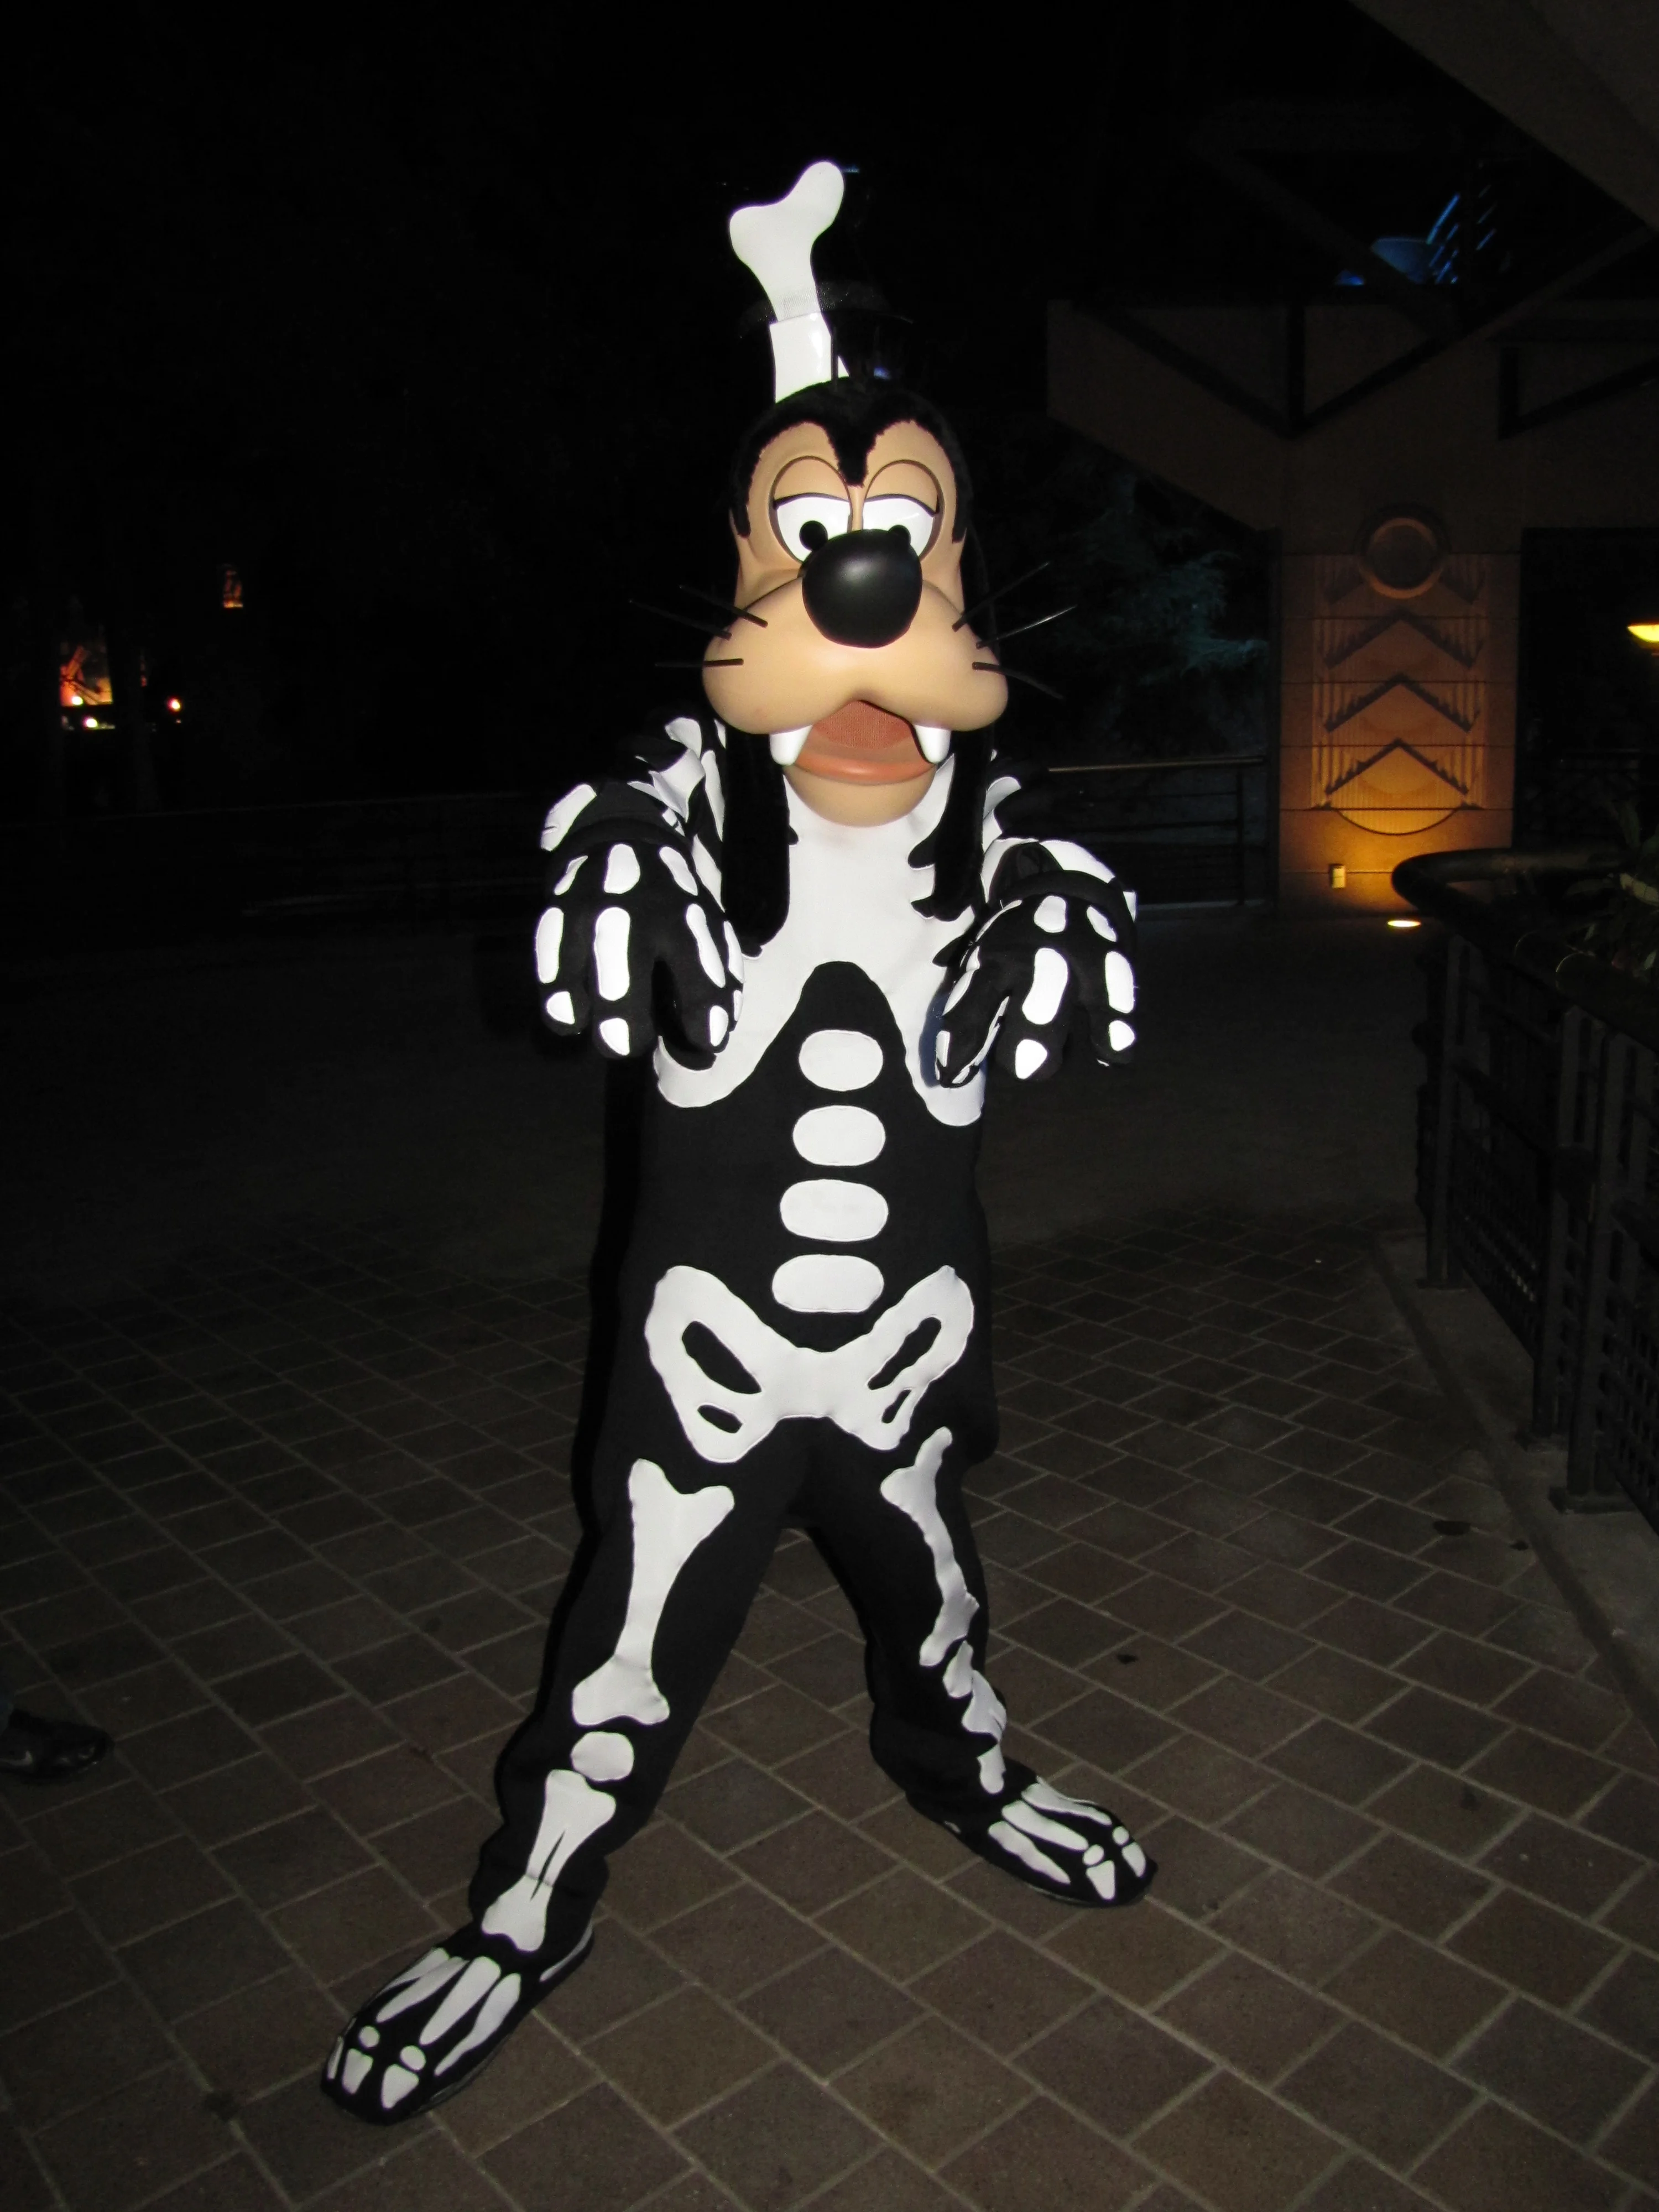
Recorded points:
(754, 841)
(852, 415)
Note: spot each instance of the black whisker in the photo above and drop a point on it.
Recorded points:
(1016, 675)
(1001, 592)
(697, 664)
(738, 614)
(698, 623)
(1059, 615)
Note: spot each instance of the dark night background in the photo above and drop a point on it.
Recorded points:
(432, 333)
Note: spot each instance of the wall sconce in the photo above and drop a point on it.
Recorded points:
(1339, 875)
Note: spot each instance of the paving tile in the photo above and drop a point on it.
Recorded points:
(45, 1965)
(829, 2010)
(1244, 1715)
(680, 2056)
(153, 1886)
(903, 1924)
(1626, 2005)
(231, 1802)
(179, 1750)
(811, 1862)
(1540, 1772)
(79, 2054)
(437, 1851)
(1629, 1815)
(1497, 2158)
(772, 2142)
(1446, 1810)
(1358, 2186)
(1143, 1668)
(1401, 1882)
(249, 2042)
(429, 2175)
(1039, 2158)
(1307, 1832)
(289, 1858)
(84, 1832)
(1002, 1991)
(534, 2072)
(1561, 1864)
(839, 1775)
(233, 2186)
(1533, 1947)
(1341, 1761)
(306, 2141)
(1416, 1993)
(1138, 1954)
(1558, 2074)
(1107, 1730)
(630, 1976)
(149, 2135)
(1636, 1913)
(737, 1940)
(1634, 2143)
(1463, 1668)
(1113, 2065)
(1199, 1777)
(1305, 1932)
(1255, 2021)
(351, 1924)
(1236, 2149)
(929, 2088)
(1198, 1868)
(731, 1803)
(1361, 2086)
(1337, 1684)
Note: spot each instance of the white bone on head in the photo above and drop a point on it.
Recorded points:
(775, 242)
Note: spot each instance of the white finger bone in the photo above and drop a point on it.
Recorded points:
(610, 952)
(563, 812)
(621, 871)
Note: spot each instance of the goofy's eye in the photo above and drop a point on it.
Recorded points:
(889, 511)
(810, 519)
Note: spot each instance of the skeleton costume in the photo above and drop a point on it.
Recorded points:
(804, 1320)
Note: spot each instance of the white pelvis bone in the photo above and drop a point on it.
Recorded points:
(793, 1381)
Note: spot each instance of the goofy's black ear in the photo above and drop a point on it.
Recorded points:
(754, 841)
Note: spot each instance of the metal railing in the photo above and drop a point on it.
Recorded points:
(1196, 828)
(1538, 1157)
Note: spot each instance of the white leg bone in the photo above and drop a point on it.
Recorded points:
(793, 1381)
(420, 1983)
(571, 1812)
(912, 1489)
(668, 1526)
(475, 1984)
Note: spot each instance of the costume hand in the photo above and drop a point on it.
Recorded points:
(1023, 971)
(616, 916)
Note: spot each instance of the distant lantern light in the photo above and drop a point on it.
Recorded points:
(175, 706)
(76, 700)
(1404, 922)
(1645, 633)
(230, 586)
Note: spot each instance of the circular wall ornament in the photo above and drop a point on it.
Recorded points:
(1401, 550)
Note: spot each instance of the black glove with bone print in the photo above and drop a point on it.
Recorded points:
(626, 915)
(1055, 939)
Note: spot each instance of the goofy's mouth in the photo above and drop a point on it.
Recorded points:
(863, 744)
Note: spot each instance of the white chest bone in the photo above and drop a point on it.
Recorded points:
(849, 1386)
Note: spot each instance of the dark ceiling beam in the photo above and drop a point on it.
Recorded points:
(1437, 318)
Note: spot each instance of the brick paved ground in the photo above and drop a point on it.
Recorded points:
(288, 1521)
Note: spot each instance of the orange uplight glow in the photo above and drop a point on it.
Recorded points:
(1404, 922)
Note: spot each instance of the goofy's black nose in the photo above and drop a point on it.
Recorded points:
(863, 588)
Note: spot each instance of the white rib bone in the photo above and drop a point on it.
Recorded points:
(669, 1524)
(571, 1812)
(793, 1381)
(775, 240)
(912, 1490)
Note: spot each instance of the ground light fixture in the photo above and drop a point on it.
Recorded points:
(1404, 922)
(1645, 633)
